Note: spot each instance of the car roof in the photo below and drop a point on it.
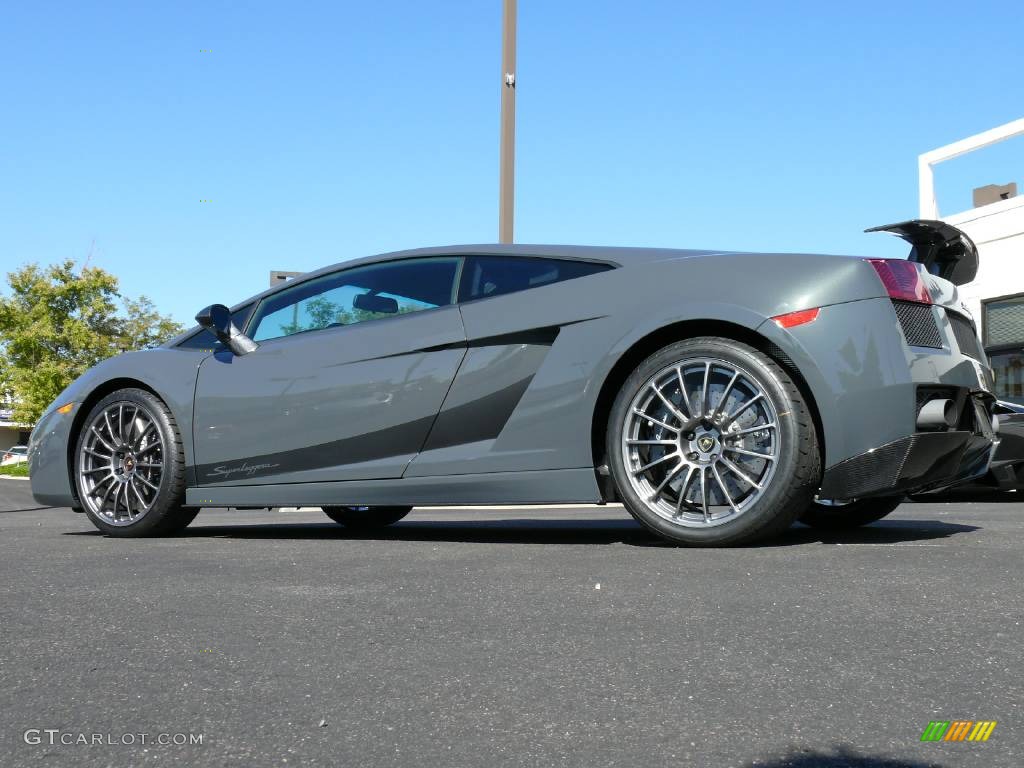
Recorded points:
(618, 256)
(614, 255)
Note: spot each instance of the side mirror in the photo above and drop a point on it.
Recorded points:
(371, 302)
(216, 318)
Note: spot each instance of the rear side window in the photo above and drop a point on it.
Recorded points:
(485, 276)
(206, 340)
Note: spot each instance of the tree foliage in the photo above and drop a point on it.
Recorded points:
(57, 322)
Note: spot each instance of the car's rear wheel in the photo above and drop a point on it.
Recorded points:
(838, 517)
(366, 518)
(129, 467)
(710, 443)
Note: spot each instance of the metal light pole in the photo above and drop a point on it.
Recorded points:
(507, 182)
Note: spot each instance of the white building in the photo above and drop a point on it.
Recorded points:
(996, 296)
(11, 433)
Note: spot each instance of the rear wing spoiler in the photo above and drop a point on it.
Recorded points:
(940, 248)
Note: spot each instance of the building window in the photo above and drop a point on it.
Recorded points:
(1002, 323)
(1008, 371)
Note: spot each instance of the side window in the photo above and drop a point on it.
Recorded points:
(206, 340)
(355, 296)
(496, 275)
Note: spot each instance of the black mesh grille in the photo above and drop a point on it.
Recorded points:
(966, 338)
(918, 324)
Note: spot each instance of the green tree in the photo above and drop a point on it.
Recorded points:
(143, 327)
(57, 322)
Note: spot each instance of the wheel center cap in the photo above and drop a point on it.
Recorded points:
(705, 445)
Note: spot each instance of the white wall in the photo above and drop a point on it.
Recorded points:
(998, 231)
(9, 437)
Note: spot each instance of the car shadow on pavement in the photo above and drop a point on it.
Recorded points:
(969, 497)
(887, 531)
(842, 757)
(562, 531)
(518, 531)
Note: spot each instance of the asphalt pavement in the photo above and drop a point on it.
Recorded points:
(507, 637)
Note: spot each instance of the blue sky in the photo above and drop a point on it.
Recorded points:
(326, 131)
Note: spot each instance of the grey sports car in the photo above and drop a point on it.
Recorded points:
(719, 395)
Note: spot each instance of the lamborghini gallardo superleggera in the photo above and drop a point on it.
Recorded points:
(720, 396)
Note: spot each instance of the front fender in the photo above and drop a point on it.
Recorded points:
(48, 460)
(170, 373)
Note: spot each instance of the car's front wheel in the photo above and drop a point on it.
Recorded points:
(366, 518)
(129, 467)
(710, 443)
(838, 517)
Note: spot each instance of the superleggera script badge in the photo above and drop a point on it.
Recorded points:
(246, 469)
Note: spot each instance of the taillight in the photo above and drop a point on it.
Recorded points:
(902, 279)
(791, 319)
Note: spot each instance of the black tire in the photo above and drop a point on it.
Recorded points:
(165, 515)
(366, 518)
(838, 518)
(797, 472)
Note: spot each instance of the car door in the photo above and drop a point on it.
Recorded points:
(505, 410)
(349, 375)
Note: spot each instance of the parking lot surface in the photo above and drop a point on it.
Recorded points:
(509, 637)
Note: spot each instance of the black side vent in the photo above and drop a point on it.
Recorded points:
(966, 338)
(918, 324)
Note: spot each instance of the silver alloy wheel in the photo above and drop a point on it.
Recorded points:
(700, 443)
(121, 463)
